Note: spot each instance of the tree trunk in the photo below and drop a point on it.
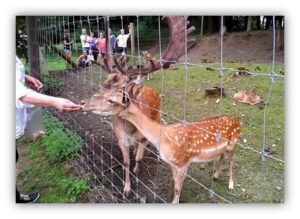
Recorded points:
(268, 22)
(33, 47)
(249, 23)
(280, 35)
(228, 23)
(257, 22)
(201, 29)
(132, 43)
(209, 24)
(109, 56)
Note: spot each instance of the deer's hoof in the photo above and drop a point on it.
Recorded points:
(215, 176)
(136, 169)
(127, 190)
(230, 190)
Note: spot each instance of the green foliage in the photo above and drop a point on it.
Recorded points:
(74, 187)
(59, 142)
(51, 83)
(50, 178)
(21, 38)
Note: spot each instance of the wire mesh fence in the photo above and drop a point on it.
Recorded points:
(258, 169)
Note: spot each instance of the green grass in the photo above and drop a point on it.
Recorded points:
(249, 186)
(46, 171)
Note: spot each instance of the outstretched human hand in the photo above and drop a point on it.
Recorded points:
(63, 104)
(33, 82)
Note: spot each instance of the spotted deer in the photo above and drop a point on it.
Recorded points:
(179, 144)
(126, 133)
(130, 77)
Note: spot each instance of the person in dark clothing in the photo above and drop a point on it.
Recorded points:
(93, 42)
(67, 44)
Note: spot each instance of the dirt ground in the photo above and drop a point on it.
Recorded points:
(244, 47)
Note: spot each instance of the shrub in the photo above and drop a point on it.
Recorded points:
(59, 142)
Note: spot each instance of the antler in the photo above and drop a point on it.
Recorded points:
(177, 40)
(176, 48)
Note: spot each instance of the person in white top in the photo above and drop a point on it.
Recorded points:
(26, 97)
(85, 41)
(122, 41)
(90, 58)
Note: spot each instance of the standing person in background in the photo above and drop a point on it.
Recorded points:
(122, 41)
(101, 46)
(26, 98)
(93, 42)
(85, 41)
(67, 47)
(67, 44)
(113, 40)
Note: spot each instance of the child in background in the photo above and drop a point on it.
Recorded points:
(90, 58)
(101, 45)
(93, 42)
(81, 61)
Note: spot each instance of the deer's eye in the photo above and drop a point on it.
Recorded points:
(111, 102)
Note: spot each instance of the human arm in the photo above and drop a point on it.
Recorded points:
(67, 44)
(61, 104)
(33, 82)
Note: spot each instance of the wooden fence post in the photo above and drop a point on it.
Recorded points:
(132, 43)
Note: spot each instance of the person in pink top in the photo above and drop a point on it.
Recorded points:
(101, 45)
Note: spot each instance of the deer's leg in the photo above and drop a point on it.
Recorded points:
(126, 162)
(230, 172)
(139, 155)
(219, 167)
(124, 146)
(179, 175)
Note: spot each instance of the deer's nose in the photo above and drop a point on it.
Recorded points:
(83, 102)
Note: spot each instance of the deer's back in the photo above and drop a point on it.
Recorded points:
(149, 99)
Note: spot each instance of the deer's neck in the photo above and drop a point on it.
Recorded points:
(149, 128)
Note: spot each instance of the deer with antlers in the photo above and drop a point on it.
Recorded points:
(178, 144)
(129, 77)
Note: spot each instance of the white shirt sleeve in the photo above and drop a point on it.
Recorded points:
(22, 91)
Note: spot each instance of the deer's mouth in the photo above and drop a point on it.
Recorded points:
(89, 108)
(95, 109)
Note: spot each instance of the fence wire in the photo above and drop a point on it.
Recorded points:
(98, 159)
